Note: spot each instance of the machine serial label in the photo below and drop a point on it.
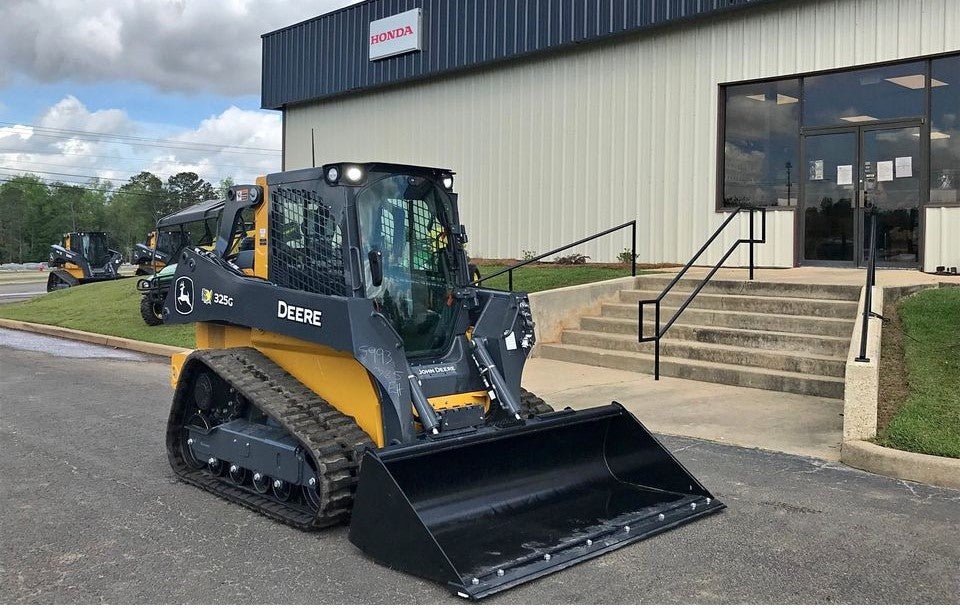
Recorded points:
(298, 314)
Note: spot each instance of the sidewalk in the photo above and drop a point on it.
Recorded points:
(790, 423)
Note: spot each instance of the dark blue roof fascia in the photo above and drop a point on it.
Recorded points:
(328, 55)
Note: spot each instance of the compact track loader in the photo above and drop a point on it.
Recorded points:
(82, 257)
(195, 225)
(354, 372)
(151, 256)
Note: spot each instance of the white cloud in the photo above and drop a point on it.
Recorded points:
(174, 45)
(58, 155)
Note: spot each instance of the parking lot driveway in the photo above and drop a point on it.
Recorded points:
(91, 513)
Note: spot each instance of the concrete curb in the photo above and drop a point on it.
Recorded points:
(934, 470)
(91, 337)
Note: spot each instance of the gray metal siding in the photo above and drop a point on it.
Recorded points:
(552, 149)
(328, 55)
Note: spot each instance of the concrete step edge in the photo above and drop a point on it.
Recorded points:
(690, 283)
(786, 335)
(654, 294)
(698, 363)
(698, 344)
(673, 309)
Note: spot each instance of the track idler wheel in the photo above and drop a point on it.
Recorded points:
(282, 490)
(311, 495)
(238, 474)
(261, 483)
(216, 467)
(186, 441)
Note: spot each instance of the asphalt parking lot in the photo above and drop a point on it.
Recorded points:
(91, 513)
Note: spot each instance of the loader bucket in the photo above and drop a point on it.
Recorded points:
(490, 510)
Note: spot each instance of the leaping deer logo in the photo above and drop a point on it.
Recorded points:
(184, 297)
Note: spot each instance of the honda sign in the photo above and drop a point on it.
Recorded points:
(400, 33)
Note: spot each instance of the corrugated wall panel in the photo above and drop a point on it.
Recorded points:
(556, 147)
(942, 242)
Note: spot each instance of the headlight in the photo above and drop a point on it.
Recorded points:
(354, 174)
(447, 182)
(333, 174)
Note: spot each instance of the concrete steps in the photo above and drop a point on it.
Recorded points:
(698, 370)
(777, 336)
(813, 307)
(723, 353)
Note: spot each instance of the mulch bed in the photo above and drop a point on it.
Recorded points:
(894, 387)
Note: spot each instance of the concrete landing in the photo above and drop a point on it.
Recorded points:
(886, 277)
(790, 423)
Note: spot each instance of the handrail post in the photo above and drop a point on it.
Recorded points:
(656, 344)
(868, 288)
(752, 242)
(633, 248)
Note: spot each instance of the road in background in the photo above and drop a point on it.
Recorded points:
(23, 285)
(91, 513)
(15, 292)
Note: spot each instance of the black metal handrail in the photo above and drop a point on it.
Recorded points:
(633, 252)
(660, 331)
(868, 286)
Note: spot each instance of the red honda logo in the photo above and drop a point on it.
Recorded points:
(390, 35)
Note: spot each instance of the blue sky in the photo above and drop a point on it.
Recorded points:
(186, 71)
(24, 100)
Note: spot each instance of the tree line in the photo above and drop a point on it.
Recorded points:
(35, 213)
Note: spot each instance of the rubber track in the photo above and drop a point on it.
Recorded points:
(532, 405)
(333, 439)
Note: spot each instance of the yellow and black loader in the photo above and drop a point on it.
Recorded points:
(82, 257)
(348, 369)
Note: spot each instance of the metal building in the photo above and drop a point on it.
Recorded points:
(565, 117)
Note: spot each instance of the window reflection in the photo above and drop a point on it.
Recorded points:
(855, 96)
(761, 144)
(945, 130)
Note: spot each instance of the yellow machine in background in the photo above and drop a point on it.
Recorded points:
(82, 257)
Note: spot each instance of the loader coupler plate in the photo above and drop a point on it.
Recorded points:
(495, 508)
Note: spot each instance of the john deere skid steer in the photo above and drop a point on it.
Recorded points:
(358, 375)
(82, 257)
(195, 225)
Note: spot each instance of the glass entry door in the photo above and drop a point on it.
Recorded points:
(830, 198)
(848, 169)
(891, 175)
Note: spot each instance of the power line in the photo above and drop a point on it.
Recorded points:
(158, 145)
(50, 172)
(255, 169)
(126, 172)
(130, 139)
(8, 178)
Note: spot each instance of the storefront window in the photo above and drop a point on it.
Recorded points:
(761, 144)
(945, 130)
(857, 96)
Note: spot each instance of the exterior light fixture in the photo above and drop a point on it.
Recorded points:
(354, 174)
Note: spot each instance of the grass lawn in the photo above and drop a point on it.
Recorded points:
(108, 307)
(928, 421)
(540, 277)
(113, 307)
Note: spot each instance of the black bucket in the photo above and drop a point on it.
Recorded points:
(493, 509)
